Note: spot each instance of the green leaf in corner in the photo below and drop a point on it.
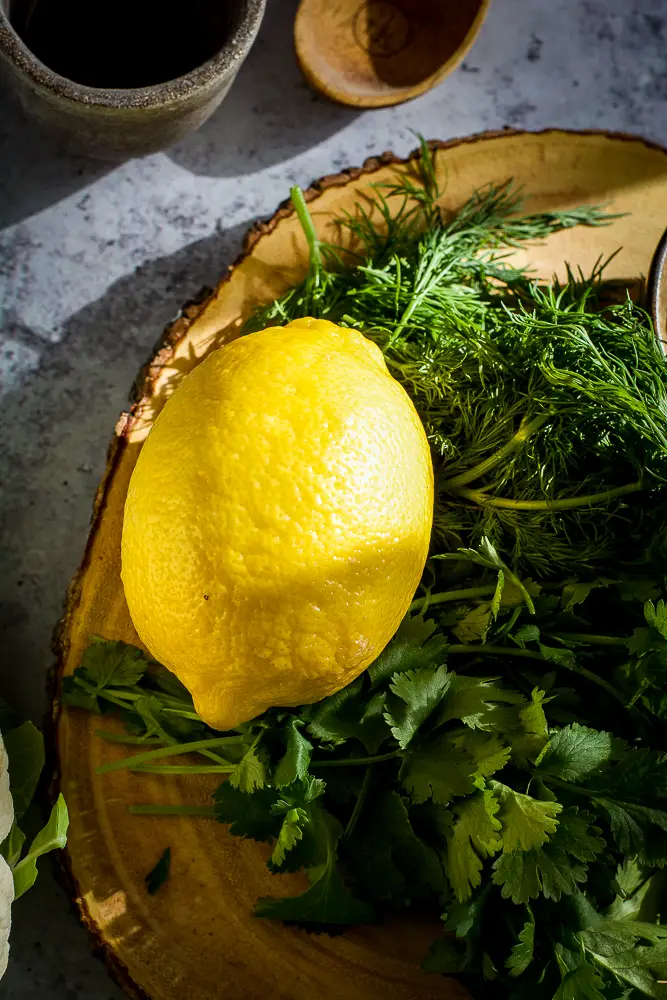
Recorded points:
(159, 875)
(294, 764)
(522, 952)
(52, 837)
(25, 750)
(327, 901)
(575, 753)
(415, 695)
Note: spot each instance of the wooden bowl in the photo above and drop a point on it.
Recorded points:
(197, 937)
(373, 53)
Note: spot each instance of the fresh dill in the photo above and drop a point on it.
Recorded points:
(546, 413)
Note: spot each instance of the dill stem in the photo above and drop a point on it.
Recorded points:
(453, 595)
(170, 751)
(477, 471)
(149, 810)
(570, 503)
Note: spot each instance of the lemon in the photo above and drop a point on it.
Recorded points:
(277, 521)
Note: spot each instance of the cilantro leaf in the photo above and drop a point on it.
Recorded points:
(526, 822)
(486, 750)
(388, 859)
(446, 956)
(107, 663)
(554, 869)
(414, 646)
(473, 701)
(437, 769)
(474, 626)
(291, 832)
(639, 831)
(416, 694)
(582, 983)
(248, 816)
(522, 952)
(473, 838)
(327, 901)
(296, 761)
(575, 752)
(159, 874)
(349, 714)
(250, 772)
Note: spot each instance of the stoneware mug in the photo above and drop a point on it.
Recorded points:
(113, 123)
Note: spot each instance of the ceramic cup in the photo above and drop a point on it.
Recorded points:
(116, 124)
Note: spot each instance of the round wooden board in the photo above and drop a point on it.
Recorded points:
(197, 938)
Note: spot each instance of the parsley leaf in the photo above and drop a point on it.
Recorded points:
(296, 761)
(526, 822)
(554, 869)
(248, 816)
(575, 752)
(414, 646)
(108, 663)
(327, 901)
(582, 983)
(437, 769)
(416, 694)
(250, 772)
(522, 952)
(473, 838)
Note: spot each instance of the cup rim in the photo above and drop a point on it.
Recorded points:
(229, 56)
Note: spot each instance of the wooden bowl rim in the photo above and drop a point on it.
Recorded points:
(142, 390)
(399, 95)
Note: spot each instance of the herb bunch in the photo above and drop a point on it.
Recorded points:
(503, 763)
(547, 414)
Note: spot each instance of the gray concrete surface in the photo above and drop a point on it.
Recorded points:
(94, 261)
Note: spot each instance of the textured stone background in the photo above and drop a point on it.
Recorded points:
(95, 261)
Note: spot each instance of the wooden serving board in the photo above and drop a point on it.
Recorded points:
(197, 937)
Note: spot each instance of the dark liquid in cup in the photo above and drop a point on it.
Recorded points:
(122, 43)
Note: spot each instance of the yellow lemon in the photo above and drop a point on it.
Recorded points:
(278, 520)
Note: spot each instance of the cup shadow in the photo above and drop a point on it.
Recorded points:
(270, 114)
(57, 424)
(36, 172)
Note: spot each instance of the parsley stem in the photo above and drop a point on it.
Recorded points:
(569, 503)
(528, 654)
(170, 751)
(182, 769)
(591, 640)
(125, 738)
(345, 762)
(149, 810)
(359, 804)
(453, 595)
(477, 471)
